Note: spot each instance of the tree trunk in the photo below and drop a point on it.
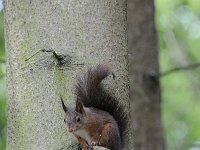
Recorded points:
(144, 76)
(86, 32)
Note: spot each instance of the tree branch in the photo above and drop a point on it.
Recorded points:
(99, 148)
(176, 69)
(62, 59)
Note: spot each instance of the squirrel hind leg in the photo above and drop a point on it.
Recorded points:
(110, 138)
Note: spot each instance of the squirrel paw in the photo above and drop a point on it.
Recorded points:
(93, 143)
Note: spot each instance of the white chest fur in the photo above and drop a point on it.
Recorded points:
(83, 134)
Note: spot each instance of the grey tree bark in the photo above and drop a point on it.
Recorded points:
(144, 76)
(87, 32)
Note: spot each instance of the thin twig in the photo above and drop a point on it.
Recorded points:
(43, 50)
(34, 54)
(61, 59)
(58, 57)
(173, 70)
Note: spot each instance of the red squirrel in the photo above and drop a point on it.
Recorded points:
(98, 118)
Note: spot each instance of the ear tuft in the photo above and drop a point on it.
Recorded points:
(79, 107)
(63, 105)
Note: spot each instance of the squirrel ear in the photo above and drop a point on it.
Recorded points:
(63, 105)
(79, 107)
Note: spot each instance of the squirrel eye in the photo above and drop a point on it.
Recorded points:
(64, 120)
(78, 119)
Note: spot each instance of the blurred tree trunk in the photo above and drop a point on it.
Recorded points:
(144, 76)
(87, 32)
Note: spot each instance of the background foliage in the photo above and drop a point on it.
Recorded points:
(2, 88)
(178, 26)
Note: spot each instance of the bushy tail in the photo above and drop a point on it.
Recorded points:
(91, 93)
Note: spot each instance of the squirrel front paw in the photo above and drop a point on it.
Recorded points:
(93, 143)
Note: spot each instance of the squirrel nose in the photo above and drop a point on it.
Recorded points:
(70, 129)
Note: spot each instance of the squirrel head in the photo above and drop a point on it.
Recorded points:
(74, 117)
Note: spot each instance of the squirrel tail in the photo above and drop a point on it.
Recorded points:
(91, 93)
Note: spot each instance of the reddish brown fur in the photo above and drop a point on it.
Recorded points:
(81, 142)
(104, 118)
(100, 123)
(91, 93)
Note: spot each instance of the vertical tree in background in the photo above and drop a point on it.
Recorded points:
(144, 76)
(84, 32)
(2, 87)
